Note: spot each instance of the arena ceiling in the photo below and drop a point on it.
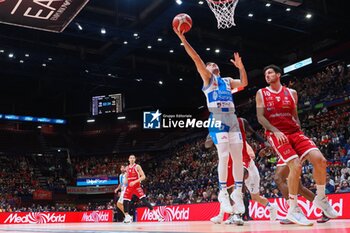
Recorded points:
(56, 74)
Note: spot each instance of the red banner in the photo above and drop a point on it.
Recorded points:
(55, 217)
(203, 212)
(42, 195)
(190, 212)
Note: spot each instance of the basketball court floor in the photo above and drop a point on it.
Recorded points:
(334, 226)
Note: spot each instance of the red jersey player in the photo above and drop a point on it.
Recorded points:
(134, 176)
(277, 112)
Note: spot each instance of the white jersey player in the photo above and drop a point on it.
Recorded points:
(227, 137)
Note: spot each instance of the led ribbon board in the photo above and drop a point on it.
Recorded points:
(32, 119)
(298, 65)
(93, 181)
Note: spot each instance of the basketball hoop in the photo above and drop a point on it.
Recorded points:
(224, 11)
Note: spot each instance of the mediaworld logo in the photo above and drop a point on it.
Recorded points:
(95, 216)
(262, 212)
(36, 218)
(169, 214)
(157, 120)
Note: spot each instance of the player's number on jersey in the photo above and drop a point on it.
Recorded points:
(266, 93)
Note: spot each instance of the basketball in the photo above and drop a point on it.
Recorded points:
(182, 22)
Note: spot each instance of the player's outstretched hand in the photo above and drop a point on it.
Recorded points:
(237, 61)
(179, 34)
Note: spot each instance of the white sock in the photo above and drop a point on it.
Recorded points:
(293, 201)
(321, 190)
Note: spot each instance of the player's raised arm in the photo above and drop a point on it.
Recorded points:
(201, 67)
(243, 81)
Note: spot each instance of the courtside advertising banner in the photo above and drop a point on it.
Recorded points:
(48, 15)
(55, 217)
(190, 212)
(205, 211)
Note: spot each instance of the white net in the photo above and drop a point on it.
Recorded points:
(224, 11)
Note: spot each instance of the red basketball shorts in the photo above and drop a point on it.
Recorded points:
(135, 190)
(298, 146)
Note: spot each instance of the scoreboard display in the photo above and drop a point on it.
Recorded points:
(106, 104)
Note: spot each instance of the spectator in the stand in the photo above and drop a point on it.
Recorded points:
(344, 187)
(345, 172)
(276, 193)
(205, 197)
(330, 186)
